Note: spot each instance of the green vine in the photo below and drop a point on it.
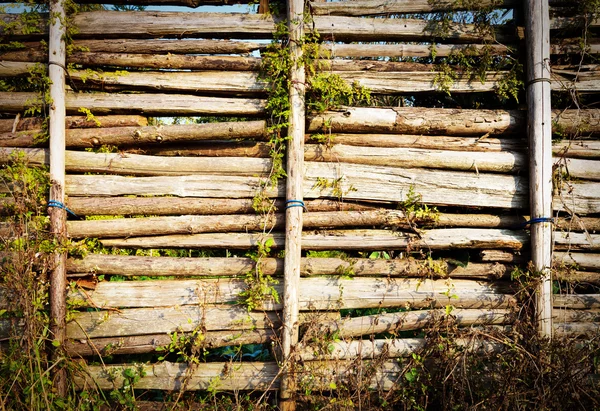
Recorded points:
(474, 63)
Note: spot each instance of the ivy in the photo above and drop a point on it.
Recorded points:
(474, 63)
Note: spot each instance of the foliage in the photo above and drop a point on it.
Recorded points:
(26, 368)
(470, 62)
(259, 285)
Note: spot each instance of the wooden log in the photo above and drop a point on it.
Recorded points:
(577, 276)
(342, 28)
(576, 241)
(488, 144)
(569, 316)
(221, 376)
(169, 46)
(15, 68)
(202, 82)
(502, 256)
(410, 120)
(132, 227)
(421, 82)
(57, 215)
(213, 186)
(166, 134)
(214, 149)
(163, 293)
(539, 131)
(110, 24)
(338, 65)
(577, 329)
(189, 224)
(577, 22)
(181, 3)
(576, 301)
(35, 123)
(479, 220)
(343, 240)
(166, 61)
(374, 7)
(577, 149)
(142, 344)
(253, 149)
(134, 164)
(579, 168)
(578, 198)
(146, 321)
(354, 183)
(571, 47)
(584, 261)
(29, 52)
(411, 320)
(333, 50)
(576, 122)
(500, 162)
(101, 264)
(149, 104)
(245, 82)
(576, 223)
(314, 293)
(180, 206)
(33, 53)
(385, 348)
(379, 183)
(413, 82)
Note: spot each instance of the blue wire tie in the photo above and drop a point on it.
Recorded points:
(538, 220)
(295, 203)
(58, 204)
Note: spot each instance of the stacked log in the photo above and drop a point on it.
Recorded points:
(372, 176)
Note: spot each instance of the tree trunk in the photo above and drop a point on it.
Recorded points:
(314, 293)
(35, 123)
(333, 50)
(498, 162)
(166, 46)
(142, 344)
(363, 240)
(411, 320)
(488, 144)
(214, 82)
(166, 61)
(374, 7)
(155, 320)
(214, 149)
(101, 264)
(247, 376)
(577, 149)
(180, 206)
(132, 227)
(438, 121)
(149, 104)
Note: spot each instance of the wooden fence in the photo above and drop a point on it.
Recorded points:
(190, 187)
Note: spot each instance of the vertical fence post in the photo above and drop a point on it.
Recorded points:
(58, 277)
(539, 129)
(294, 204)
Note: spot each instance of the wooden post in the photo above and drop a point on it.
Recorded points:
(294, 197)
(537, 34)
(58, 277)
